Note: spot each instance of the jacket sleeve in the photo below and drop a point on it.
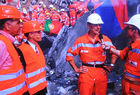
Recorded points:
(73, 51)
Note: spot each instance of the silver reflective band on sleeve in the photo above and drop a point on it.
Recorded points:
(69, 54)
(11, 76)
(12, 90)
(131, 75)
(37, 82)
(35, 73)
(95, 63)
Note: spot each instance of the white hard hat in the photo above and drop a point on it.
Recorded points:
(62, 10)
(95, 19)
(134, 20)
(82, 0)
(24, 11)
(51, 6)
(41, 2)
(58, 10)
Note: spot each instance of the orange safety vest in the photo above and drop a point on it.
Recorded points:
(12, 80)
(35, 68)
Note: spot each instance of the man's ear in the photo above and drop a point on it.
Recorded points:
(88, 26)
(7, 25)
(30, 35)
(135, 31)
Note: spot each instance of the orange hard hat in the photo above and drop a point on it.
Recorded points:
(31, 26)
(7, 11)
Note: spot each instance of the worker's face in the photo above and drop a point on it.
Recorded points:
(13, 27)
(35, 36)
(94, 28)
(130, 31)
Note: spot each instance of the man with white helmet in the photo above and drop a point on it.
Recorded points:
(93, 72)
(131, 55)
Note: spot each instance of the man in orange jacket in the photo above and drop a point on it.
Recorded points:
(34, 59)
(131, 78)
(93, 76)
(12, 76)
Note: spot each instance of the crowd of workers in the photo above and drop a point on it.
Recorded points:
(22, 66)
(41, 12)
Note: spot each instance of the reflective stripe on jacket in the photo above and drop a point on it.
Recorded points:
(12, 80)
(87, 51)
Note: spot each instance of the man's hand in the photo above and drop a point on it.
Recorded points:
(82, 69)
(105, 47)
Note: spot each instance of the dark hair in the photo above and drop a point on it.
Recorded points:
(2, 21)
(138, 30)
(133, 28)
(89, 23)
(26, 34)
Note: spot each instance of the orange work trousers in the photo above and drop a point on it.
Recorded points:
(93, 82)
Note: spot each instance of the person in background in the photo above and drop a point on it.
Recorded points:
(64, 17)
(93, 72)
(34, 59)
(25, 15)
(131, 55)
(12, 76)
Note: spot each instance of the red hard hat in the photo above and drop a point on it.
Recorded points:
(7, 11)
(31, 26)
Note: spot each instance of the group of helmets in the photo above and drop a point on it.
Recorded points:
(96, 19)
(7, 11)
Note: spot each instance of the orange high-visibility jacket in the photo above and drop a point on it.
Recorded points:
(35, 68)
(132, 65)
(12, 80)
(87, 51)
(132, 68)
